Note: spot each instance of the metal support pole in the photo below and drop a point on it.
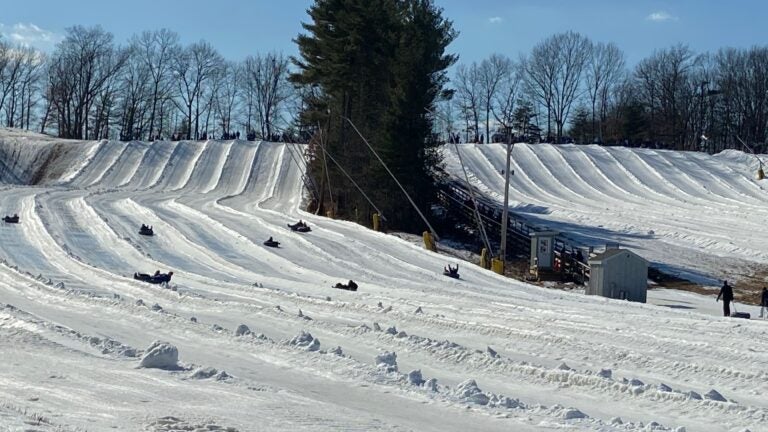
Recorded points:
(505, 212)
(424, 218)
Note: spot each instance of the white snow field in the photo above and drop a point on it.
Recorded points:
(697, 216)
(251, 338)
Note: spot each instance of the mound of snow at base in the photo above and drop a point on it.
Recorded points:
(306, 341)
(242, 330)
(387, 360)
(567, 413)
(209, 372)
(160, 355)
(468, 391)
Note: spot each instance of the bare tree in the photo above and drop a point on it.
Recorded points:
(157, 49)
(507, 96)
(136, 96)
(81, 67)
(605, 69)
(21, 82)
(193, 67)
(492, 73)
(669, 90)
(554, 74)
(266, 83)
(469, 94)
(227, 95)
(12, 62)
(573, 51)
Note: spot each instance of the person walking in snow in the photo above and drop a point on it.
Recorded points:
(764, 303)
(726, 292)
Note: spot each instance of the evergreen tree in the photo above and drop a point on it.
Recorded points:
(581, 126)
(380, 63)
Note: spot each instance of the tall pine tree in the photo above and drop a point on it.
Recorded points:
(382, 64)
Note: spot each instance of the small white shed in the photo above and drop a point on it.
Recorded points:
(618, 274)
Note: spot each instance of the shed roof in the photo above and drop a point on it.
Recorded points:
(611, 253)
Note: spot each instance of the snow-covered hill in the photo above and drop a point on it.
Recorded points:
(492, 353)
(699, 216)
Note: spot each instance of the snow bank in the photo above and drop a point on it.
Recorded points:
(415, 378)
(209, 372)
(468, 391)
(387, 361)
(305, 341)
(242, 330)
(160, 355)
(567, 413)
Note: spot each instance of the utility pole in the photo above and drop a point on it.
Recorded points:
(505, 211)
(699, 139)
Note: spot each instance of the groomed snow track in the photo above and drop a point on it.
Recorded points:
(73, 322)
(698, 216)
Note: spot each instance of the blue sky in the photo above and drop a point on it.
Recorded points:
(241, 27)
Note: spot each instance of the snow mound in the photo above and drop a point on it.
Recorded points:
(468, 391)
(492, 353)
(504, 402)
(170, 423)
(693, 395)
(387, 360)
(415, 378)
(715, 396)
(160, 355)
(431, 384)
(567, 413)
(209, 372)
(306, 341)
(242, 330)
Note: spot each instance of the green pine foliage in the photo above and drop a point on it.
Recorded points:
(382, 64)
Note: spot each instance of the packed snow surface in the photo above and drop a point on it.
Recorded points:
(255, 338)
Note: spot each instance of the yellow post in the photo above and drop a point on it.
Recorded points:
(429, 242)
(484, 259)
(760, 173)
(497, 266)
(376, 221)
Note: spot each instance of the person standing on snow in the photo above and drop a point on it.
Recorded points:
(726, 292)
(764, 303)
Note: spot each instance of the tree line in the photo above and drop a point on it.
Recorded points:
(153, 87)
(566, 88)
(571, 89)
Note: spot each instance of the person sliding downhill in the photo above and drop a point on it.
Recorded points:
(451, 271)
(350, 286)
